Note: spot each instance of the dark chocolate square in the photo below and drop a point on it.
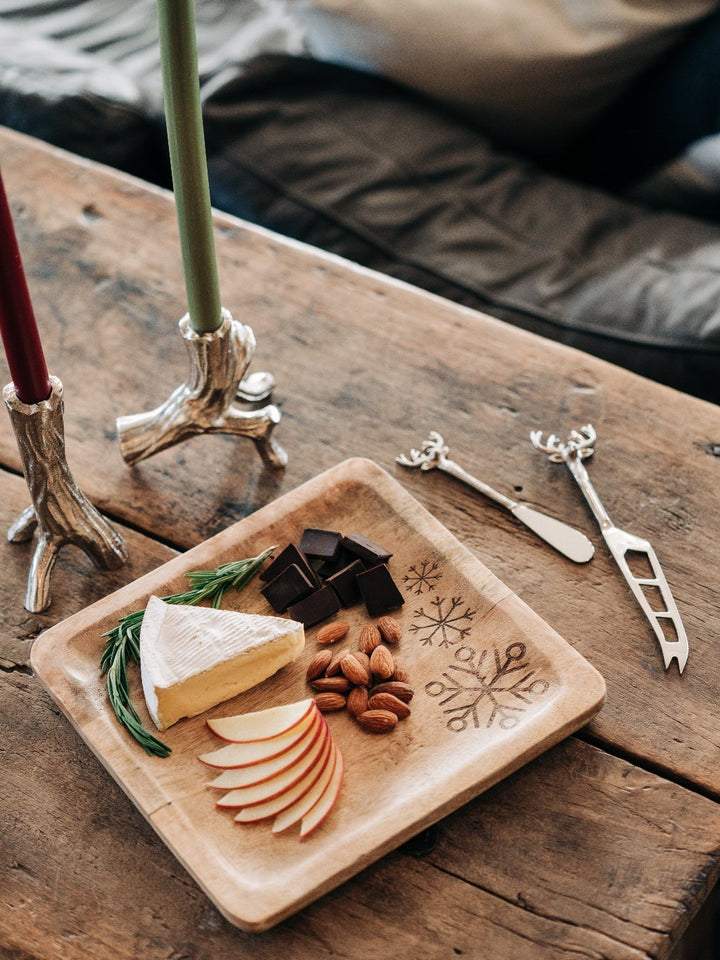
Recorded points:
(320, 605)
(341, 560)
(345, 585)
(319, 544)
(290, 555)
(379, 590)
(289, 586)
(366, 549)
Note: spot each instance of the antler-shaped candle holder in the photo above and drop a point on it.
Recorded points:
(60, 512)
(209, 400)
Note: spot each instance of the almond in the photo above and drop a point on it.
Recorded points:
(357, 701)
(318, 664)
(382, 663)
(403, 691)
(369, 638)
(389, 629)
(331, 684)
(328, 702)
(401, 672)
(364, 659)
(378, 721)
(332, 632)
(333, 668)
(355, 670)
(387, 701)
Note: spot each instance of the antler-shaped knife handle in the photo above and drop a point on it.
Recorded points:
(579, 446)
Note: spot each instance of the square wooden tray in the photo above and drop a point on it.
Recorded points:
(494, 687)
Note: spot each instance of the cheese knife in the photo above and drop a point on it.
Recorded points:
(566, 539)
(666, 623)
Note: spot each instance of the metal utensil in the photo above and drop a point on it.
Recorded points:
(570, 542)
(577, 448)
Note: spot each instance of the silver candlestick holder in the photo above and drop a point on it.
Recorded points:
(60, 511)
(210, 399)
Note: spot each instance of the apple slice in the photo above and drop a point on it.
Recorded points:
(262, 724)
(304, 804)
(312, 820)
(237, 777)
(284, 781)
(257, 751)
(294, 795)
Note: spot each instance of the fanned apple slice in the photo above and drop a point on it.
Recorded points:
(262, 724)
(312, 820)
(291, 797)
(239, 777)
(256, 751)
(275, 786)
(304, 804)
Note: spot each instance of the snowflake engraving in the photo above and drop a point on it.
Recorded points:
(422, 576)
(445, 624)
(497, 687)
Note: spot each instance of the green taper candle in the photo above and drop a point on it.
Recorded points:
(181, 87)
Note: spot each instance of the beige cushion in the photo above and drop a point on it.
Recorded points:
(531, 71)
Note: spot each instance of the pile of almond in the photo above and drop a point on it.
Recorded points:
(370, 681)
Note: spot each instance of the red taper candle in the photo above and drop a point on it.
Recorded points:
(18, 326)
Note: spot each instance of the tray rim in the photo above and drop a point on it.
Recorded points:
(254, 916)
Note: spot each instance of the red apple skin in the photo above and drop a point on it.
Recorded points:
(297, 816)
(283, 786)
(258, 813)
(215, 723)
(329, 797)
(275, 747)
(307, 742)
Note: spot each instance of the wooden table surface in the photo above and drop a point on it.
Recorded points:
(607, 845)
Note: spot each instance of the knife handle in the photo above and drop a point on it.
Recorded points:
(455, 470)
(577, 469)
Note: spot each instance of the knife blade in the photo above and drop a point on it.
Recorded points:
(566, 539)
(620, 543)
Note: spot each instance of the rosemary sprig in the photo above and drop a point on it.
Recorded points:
(123, 641)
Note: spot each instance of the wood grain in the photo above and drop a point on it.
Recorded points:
(457, 742)
(365, 366)
(533, 869)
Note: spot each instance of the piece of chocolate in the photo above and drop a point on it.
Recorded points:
(320, 605)
(366, 549)
(379, 590)
(345, 585)
(286, 558)
(320, 544)
(341, 560)
(289, 586)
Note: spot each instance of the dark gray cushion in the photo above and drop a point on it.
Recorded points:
(86, 74)
(76, 101)
(356, 165)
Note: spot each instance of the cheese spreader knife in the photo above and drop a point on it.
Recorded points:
(566, 539)
(578, 447)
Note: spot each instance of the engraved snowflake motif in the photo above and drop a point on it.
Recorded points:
(497, 687)
(445, 624)
(422, 576)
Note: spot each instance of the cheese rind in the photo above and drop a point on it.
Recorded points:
(192, 658)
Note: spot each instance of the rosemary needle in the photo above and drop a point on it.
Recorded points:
(123, 641)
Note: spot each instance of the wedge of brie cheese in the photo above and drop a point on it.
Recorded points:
(192, 658)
